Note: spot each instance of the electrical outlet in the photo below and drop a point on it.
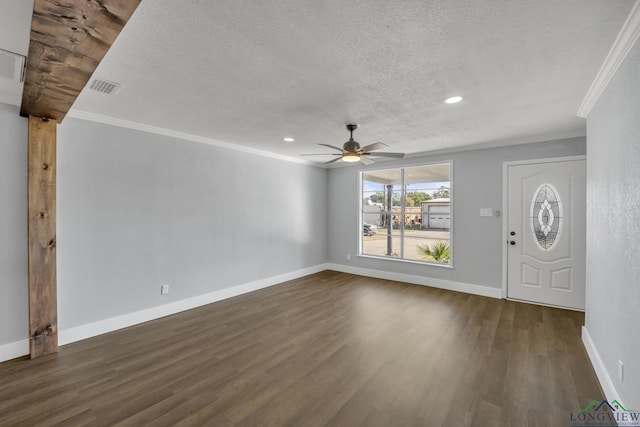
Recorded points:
(164, 289)
(620, 371)
(348, 257)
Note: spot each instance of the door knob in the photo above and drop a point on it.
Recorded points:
(513, 233)
(512, 242)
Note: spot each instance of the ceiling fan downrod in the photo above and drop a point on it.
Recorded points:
(351, 145)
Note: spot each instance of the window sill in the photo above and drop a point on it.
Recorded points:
(407, 261)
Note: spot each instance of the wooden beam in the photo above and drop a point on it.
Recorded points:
(69, 38)
(43, 314)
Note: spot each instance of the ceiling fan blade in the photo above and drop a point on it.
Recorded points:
(334, 160)
(395, 155)
(375, 146)
(321, 154)
(332, 146)
(366, 161)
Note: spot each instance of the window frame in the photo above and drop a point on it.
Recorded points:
(363, 170)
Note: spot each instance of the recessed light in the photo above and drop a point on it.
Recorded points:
(288, 139)
(453, 99)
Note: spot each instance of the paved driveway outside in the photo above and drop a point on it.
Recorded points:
(377, 245)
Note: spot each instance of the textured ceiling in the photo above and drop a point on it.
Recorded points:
(250, 73)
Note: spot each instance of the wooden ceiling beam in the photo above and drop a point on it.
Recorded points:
(69, 38)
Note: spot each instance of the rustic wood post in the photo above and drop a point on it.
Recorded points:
(43, 310)
(68, 41)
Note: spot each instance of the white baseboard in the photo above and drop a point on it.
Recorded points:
(89, 330)
(14, 349)
(67, 336)
(598, 365)
(420, 280)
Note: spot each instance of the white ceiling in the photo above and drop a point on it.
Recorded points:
(249, 72)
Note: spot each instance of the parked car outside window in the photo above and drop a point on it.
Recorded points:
(369, 229)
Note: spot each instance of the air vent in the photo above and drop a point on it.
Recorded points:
(104, 86)
(12, 66)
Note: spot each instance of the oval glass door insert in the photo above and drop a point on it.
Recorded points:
(546, 216)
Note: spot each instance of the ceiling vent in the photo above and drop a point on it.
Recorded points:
(12, 66)
(104, 86)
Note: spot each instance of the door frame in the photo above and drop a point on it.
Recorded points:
(505, 208)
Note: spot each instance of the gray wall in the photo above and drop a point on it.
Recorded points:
(137, 210)
(14, 313)
(613, 227)
(477, 183)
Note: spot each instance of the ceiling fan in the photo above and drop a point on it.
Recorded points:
(352, 152)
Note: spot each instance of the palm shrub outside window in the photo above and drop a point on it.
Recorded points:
(406, 213)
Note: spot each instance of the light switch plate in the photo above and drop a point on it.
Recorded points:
(486, 211)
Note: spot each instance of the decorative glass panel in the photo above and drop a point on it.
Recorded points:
(546, 216)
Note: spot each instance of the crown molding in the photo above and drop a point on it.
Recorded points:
(98, 118)
(627, 37)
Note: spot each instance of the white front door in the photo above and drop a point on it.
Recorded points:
(546, 233)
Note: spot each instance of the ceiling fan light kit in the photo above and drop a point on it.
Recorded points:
(350, 157)
(352, 152)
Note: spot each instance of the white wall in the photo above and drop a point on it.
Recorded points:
(138, 210)
(477, 241)
(613, 232)
(14, 314)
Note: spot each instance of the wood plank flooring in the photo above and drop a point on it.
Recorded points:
(330, 349)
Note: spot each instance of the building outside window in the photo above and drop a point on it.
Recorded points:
(406, 213)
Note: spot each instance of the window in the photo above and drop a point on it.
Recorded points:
(546, 216)
(406, 213)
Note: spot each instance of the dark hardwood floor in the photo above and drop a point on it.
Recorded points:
(329, 349)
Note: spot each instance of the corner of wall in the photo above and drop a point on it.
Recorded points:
(606, 383)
